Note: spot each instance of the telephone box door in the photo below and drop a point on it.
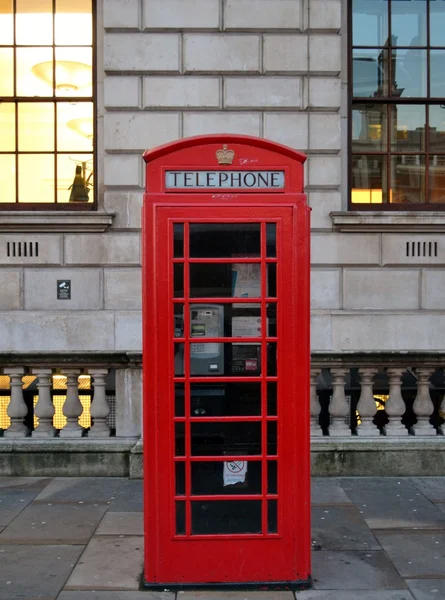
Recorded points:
(226, 486)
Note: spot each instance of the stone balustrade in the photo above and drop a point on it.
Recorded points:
(374, 396)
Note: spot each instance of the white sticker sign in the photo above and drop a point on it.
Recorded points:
(235, 471)
(224, 179)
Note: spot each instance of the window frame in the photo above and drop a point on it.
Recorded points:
(389, 101)
(43, 207)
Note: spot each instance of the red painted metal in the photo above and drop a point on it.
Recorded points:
(180, 558)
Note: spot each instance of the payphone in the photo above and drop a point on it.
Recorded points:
(226, 365)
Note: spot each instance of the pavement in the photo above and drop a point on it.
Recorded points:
(81, 539)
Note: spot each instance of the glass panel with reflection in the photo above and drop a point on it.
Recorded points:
(409, 22)
(408, 179)
(410, 73)
(437, 128)
(369, 128)
(369, 180)
(224, 240)
(370, 72)
(437, 179)
(370, 22)
(408, 125)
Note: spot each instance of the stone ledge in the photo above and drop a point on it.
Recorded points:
(55, 222)
(397, 221)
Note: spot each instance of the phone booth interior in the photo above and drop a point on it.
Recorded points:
(226, 364)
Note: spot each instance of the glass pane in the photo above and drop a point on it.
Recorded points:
(75, 178)
(6, 24)
(437, 23)
(231, 477)
(369, 128)
(215, 359)
(410, 73)
(180, 478)
(179, 400)
(369, 181)
(36, 127)
(73, 22)
(437, 70)
(225, 399)
(437, 128)
(272, 438)
(225, 280)
(272, 516)
(370, 22)
(272, 359)
(271, 240)
(408, 22)
(178, 330)
(272, 398)
(74, 73)
(7, 178)
(437, 179)
(179, 439)
(6, 70)
(222, 438)
(7, 127)
(34, 71)
(271, 313)
(408, 179)
(272, 477)
(34, 26)
(179, 360)
(370, 73)
(36, 178)
(75, 126)
(226, 516)
(180, 518)
(272, 280)
(408, 125)
(218, 240)
(178, 240)
(178, 280)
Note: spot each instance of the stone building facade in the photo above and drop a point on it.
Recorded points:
(278, 69)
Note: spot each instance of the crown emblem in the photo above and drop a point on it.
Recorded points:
(225, 156)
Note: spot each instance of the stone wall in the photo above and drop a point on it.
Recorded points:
(174, 68)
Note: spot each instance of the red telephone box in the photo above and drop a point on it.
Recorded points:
(226, 364)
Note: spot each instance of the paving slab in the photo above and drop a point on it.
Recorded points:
(126, 523)
(54, 524)
(128, 497)
(35, 572)
(12, 503)
(426, 589)
(341, 528)
(355, 595)
(28, 483)
(216, 595)
(354, 571)
(415, 553)
(431, 487)
(109, 563)
(90, 595)
(80, 489)
(390, 503)
(327, 491)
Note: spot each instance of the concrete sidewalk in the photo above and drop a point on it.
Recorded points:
(68, 538)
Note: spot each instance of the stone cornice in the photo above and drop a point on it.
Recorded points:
(55, 222)
(397, 221)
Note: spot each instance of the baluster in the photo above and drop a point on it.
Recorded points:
(338, 407)
(100, 408)
(17, 409)
(72, 408)
(442, 410)
(44, 408)
(366, 404)
(395, 406)
(316, 430)
(423, 405)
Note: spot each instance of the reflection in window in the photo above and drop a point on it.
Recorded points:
(398, 117)
(46, 103)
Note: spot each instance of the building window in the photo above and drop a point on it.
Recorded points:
(47, 111)
(397, 94)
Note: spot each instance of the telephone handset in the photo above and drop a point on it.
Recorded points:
(206, 321)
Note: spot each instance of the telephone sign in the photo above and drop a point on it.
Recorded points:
(226, 365)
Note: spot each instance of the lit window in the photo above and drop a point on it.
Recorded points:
(398, 104)
(46, 104)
